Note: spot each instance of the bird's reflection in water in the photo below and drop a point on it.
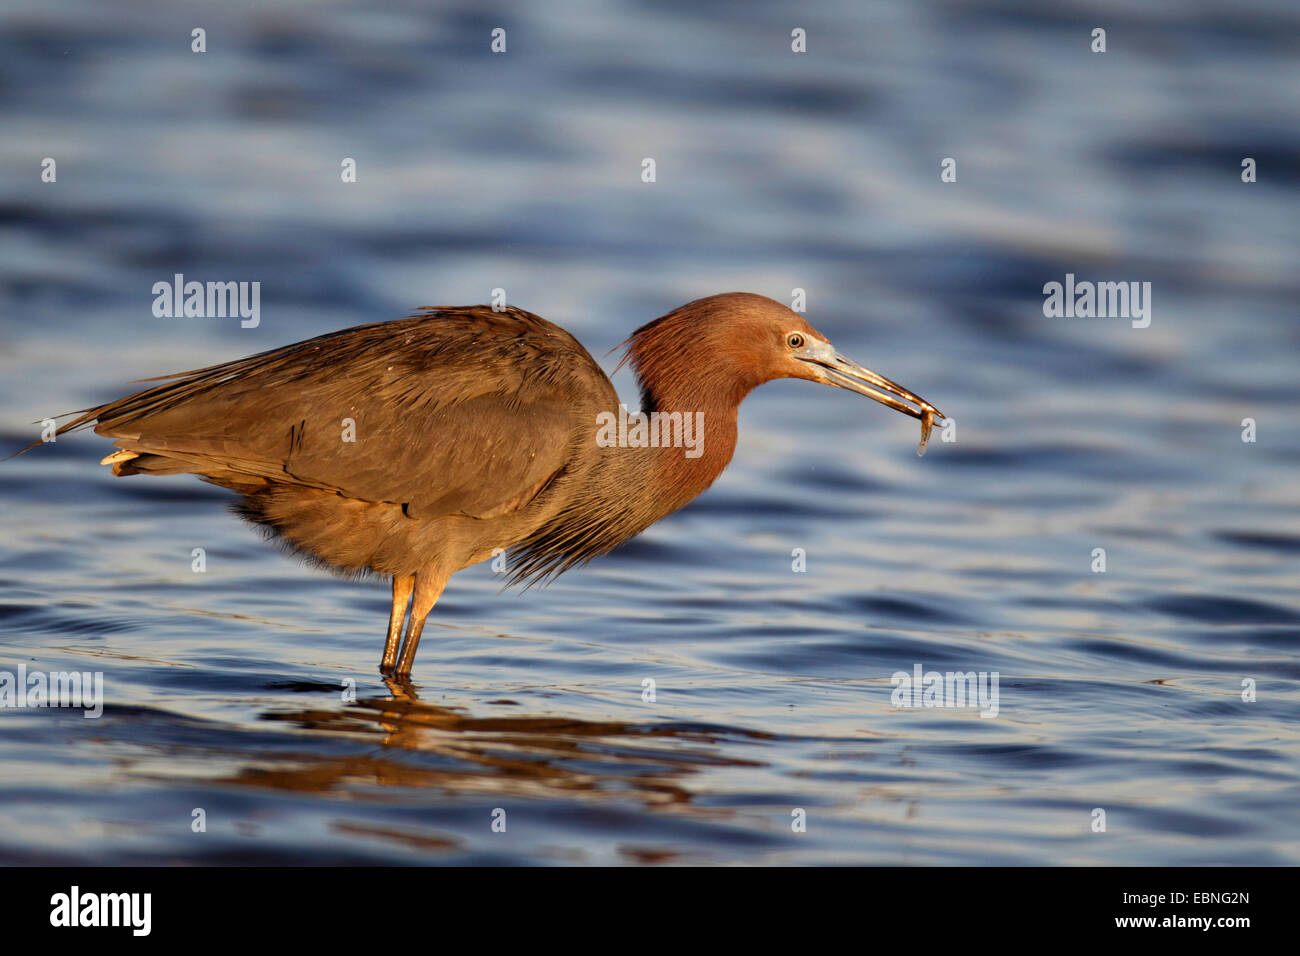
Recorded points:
(431, 747)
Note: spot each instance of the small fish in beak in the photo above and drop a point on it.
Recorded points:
(927, 419)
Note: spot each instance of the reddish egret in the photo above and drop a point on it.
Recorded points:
(418, 447)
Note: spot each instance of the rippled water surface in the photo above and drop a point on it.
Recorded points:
(1122, 691)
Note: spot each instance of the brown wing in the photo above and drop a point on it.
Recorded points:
(452, 410)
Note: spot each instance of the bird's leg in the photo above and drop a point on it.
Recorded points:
(402, 587)
(428, 587)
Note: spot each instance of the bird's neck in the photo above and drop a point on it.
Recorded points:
(683, 436)
(649, 462)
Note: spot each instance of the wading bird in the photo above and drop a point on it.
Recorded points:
(417, 447)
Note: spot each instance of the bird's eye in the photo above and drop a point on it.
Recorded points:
(794, 340)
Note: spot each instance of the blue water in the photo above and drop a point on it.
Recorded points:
(1120, 691)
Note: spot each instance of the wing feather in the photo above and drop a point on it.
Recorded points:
(461, 410)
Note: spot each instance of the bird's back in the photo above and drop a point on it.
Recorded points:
(452, 410)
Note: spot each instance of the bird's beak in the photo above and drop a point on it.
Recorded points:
(831, 368)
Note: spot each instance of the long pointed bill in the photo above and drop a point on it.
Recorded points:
(832, 368)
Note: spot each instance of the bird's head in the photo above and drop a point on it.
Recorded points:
(734, 342)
